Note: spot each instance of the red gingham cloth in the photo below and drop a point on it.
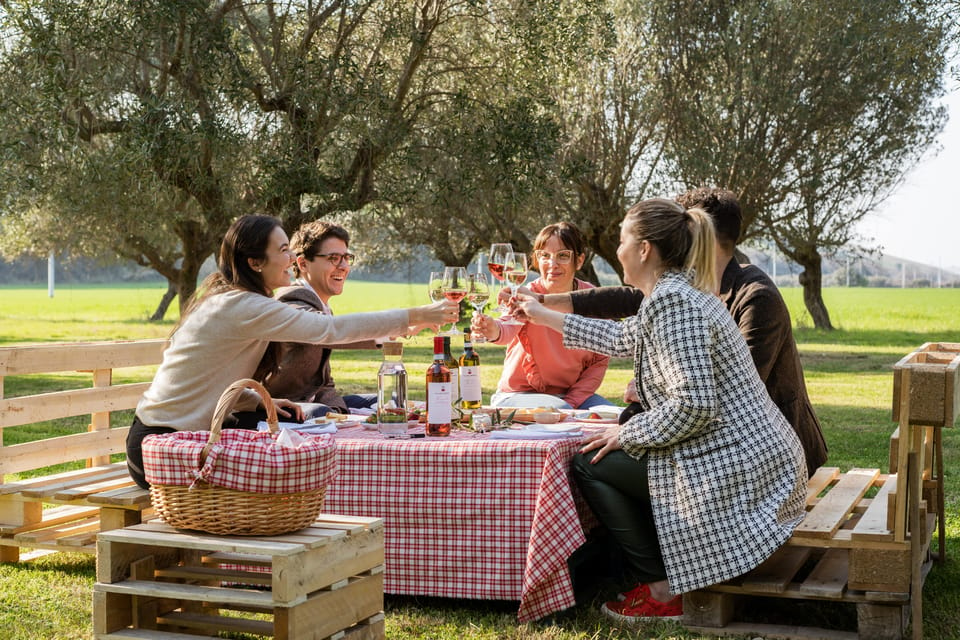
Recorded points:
(243, 460)
(466, 516)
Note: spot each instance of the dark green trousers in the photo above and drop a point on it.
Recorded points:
(617, 490)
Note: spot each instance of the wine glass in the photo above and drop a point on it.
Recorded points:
(435, 286)
(515, 272)
(495, 263)
(454, 287)
(478, 292)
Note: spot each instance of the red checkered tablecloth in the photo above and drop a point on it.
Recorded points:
(466, 516)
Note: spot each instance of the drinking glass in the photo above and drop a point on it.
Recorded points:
(435, 286)
(454, 287)
(515, 272)
(478, 292)
(495, 263)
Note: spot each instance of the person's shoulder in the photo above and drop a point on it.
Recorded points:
(298, 293)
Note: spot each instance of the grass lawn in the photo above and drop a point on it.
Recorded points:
(848, 371)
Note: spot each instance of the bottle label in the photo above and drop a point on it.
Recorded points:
(470, 389)
(454, 384)
(439, 410)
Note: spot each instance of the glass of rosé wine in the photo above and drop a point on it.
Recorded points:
(454, 287)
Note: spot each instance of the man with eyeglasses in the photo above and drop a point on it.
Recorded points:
(321, 266)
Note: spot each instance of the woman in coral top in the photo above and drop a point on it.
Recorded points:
(538, 371)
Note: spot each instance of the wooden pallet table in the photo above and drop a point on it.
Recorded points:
(323, 582)
(866, 538)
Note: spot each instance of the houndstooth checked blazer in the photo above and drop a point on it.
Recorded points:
(726, 471)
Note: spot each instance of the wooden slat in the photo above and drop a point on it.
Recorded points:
(79, 356)
(819, 481)
(50, 451)
(59, 532)
(829, 578)
(58, 478)
(49, 491)
(777, 571)
(215, 573)
(873, 523)
(215, 595)
(832, 510)
(212, 624)
(54, 516)
(84, 491)
(163, 535)
(74, 402)
(132, 496)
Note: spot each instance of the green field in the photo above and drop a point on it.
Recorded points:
(849, 375)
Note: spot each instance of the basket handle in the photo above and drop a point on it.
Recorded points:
(225, 405)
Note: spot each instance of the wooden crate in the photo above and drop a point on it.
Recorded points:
(325, 581)
(934, 393)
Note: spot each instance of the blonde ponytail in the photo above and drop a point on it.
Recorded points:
(702, 256)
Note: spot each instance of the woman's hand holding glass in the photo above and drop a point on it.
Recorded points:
(485, 326)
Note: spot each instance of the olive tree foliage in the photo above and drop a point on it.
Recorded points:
(150, 126)
(610, 114)
(482, 165)
(811, 111)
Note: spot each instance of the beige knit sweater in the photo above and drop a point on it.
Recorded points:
(223, 340)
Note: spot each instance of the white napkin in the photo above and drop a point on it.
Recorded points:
(532, 434)
(306, 427)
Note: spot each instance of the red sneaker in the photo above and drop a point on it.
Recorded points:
(639, 606)
(641, 591)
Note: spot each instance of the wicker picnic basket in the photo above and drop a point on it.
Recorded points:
(238, 481)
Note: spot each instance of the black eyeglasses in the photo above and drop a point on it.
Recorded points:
(337, 258)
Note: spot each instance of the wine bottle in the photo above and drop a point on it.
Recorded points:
(454, 367)
(439, 409)
(471, 393)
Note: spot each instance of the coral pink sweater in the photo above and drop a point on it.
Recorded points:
(536, 361)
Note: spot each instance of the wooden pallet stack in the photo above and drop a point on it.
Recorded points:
(323, 582)
(866, 537)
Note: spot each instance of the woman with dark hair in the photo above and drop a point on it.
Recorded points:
(538, 371)
(228, 324)
(709, 479)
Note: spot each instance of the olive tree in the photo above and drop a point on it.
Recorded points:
(811, 111)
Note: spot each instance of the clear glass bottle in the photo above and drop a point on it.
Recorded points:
(471, 393)
(439, 409)
(392, 392)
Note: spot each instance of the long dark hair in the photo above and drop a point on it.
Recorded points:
(248, 237)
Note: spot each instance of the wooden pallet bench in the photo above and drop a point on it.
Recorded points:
(64, 510)
(322, 582)
(866, 538)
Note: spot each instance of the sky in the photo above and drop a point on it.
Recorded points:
(921, 220)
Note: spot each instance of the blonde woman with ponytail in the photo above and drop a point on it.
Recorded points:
(709, 479)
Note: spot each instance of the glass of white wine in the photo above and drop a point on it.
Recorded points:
(435, 286)
(478, 292)
(515, 272)
(454, 288)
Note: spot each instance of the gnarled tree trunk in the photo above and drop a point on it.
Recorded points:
(811, 279)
